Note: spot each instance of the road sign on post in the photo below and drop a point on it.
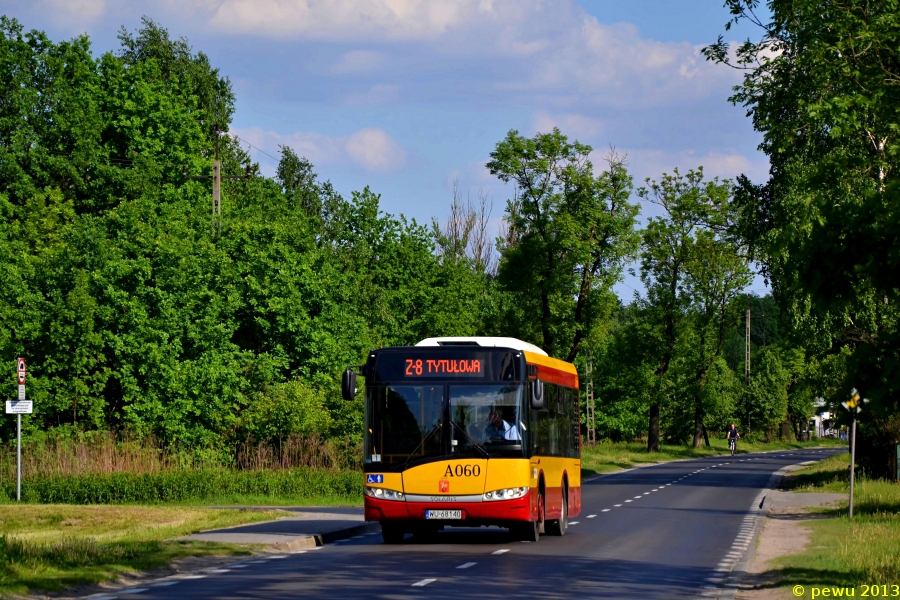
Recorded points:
(853, 405)
(19, 407)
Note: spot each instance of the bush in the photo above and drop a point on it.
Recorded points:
(185, 486)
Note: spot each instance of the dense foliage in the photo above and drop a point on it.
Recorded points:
(132, 313)
(821, 85)
(137, 316)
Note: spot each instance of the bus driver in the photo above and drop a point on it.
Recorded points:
(497, 428)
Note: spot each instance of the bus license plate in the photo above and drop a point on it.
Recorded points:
(443, 514)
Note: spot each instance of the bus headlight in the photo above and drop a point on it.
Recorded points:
(506, 494)
(383, 494)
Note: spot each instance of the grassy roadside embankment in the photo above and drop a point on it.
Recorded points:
(607, 457)
(845, 552)
(299, 486)
(52, 547)
(84, 528)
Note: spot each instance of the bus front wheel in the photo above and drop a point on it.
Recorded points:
(531, 531)
(392, 533)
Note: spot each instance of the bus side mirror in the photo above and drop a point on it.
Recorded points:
(348, 384)
(537, 394)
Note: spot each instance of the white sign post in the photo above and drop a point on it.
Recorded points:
(18, 408)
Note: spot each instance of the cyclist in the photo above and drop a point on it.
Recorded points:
(733, 436)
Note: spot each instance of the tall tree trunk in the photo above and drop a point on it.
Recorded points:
(653, 433)
(706, 436)
(698, 425)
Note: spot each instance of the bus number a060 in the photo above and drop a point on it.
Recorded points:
(463, 471)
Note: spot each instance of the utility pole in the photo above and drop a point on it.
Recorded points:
(217, 185)
(747, 358)
(589, 403)
(747, 345)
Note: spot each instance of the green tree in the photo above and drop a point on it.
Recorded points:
(570, 235)
(692, 271)
(820, 85)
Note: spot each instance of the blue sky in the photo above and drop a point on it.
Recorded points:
(410, 96)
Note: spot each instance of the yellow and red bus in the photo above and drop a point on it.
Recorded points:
(470, 432)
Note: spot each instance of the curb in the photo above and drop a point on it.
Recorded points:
(291, 543)
(295, 545)
(320, 539)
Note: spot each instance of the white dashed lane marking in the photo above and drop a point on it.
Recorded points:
(573, 522)
(617, 505)
(423, 583)
(592, 516)
(466, 565)
(501, 551)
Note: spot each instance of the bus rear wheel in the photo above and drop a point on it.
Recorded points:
(559, 526)
(392, 533)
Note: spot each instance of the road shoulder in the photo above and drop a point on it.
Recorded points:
(784, 532)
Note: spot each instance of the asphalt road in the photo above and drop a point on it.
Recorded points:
(668, 531)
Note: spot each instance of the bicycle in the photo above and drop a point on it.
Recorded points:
(732, 445)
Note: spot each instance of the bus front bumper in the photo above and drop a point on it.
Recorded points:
(473, 513)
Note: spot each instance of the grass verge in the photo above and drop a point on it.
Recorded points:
(864, 551)
(52, 547)
(606, 457)
(213, 486)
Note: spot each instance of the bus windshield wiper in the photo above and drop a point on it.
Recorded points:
(422, 443)
(484, 453)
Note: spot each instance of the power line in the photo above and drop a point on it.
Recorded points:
(236, 136)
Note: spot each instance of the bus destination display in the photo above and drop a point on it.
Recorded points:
(417, 367)
(415, 364)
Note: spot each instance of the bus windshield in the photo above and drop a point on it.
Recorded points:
(403, 422)
(486, 415)
(411, 423)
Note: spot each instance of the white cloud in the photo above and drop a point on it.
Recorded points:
(359, 61)
(725, 165)
(375, 150)
(573, 125)
(371, 148)
(67, 11)
(347, 19)
(552, 50)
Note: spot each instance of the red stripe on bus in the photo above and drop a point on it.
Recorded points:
(551, 375)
